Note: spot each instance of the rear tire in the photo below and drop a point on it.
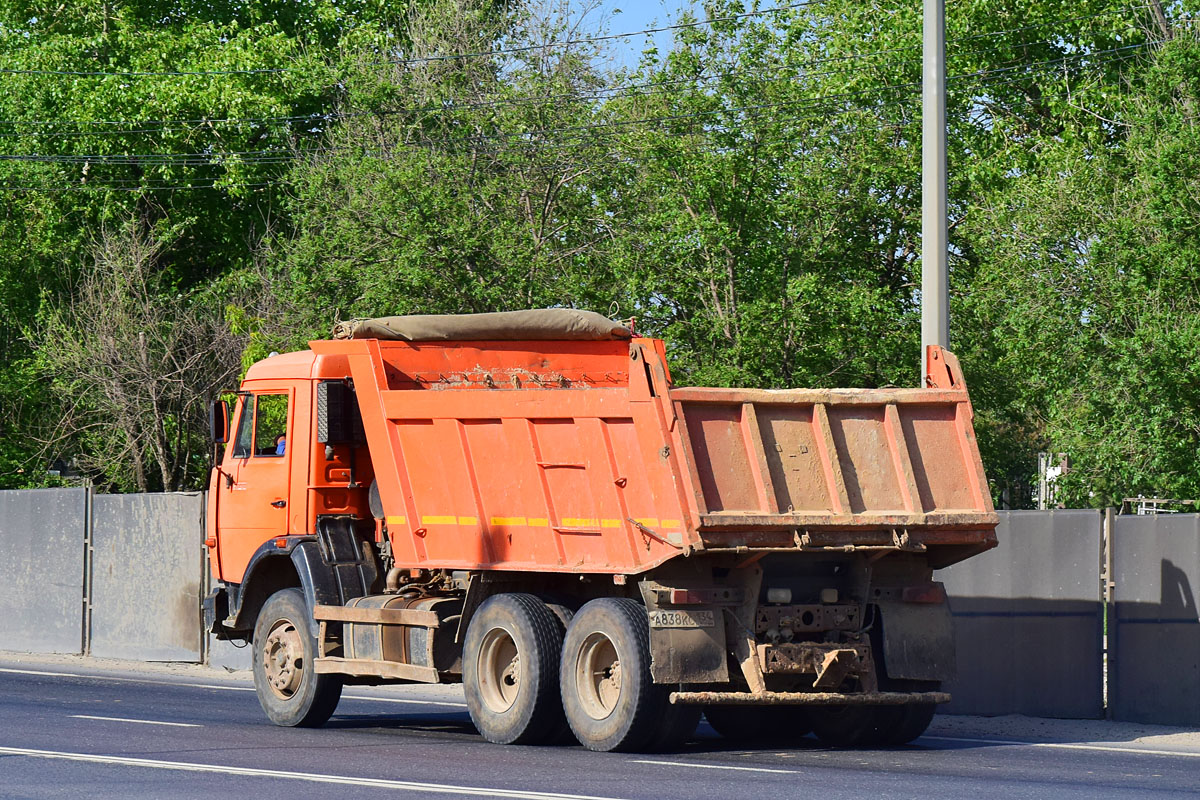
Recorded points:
(757, 724)
(609, 697)
(844, 726)
(898, 725)
(676, 725)
(510, 670)
(285, 679)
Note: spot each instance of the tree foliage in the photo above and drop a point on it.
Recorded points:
(139, 363)
(181, 114)
(752, 194)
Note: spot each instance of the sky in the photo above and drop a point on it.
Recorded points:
(615, 16)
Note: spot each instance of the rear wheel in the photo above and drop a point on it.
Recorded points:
(844, 726)
(609, 696)
(758, 724)
(901, 724)
(285, 679)
(510, 670)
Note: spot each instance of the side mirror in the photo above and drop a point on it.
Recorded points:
(218, 422)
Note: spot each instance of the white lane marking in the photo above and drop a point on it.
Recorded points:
(314, 777)
(1138, 751)
(225, 687)
(404, 700)
(713, 766)
(138, 721)
(117, 679)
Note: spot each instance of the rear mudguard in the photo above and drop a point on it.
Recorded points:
(918, 641)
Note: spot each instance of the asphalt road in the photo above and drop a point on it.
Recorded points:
(84, 732)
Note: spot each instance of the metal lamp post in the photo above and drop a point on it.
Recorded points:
(935, 322)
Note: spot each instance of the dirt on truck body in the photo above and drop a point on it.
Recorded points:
(525, 503)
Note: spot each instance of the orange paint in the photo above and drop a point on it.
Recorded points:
(580, 457)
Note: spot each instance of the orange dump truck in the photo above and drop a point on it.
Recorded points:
(525, 503)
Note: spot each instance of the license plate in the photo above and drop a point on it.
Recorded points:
(682, 619)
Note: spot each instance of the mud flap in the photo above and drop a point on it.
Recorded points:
(686, 654)
(918, 641)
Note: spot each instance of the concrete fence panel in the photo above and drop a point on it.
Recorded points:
(1154, 630)
(146, 576)
(42, 533)
(1028, 619)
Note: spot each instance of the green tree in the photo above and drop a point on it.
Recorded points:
(182, 114)
(451, 185)
(1088, 286)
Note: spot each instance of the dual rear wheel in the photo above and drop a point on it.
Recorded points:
(510, 669)
(531, 671)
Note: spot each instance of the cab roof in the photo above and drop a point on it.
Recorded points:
(284, 366)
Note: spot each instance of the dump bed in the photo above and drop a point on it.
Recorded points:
(579, 456)
(838, 467)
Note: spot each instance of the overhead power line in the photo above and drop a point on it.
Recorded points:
(1052, 23)
(195, 186)
(452, 105)
(418, 59)
(536, 134)
(541, 138)
(527, 48)
(546, 136)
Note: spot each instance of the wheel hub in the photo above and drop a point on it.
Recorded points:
(499, 670)
(598, 675)
(283, 659)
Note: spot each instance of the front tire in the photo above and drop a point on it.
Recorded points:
(510, 670)
(289, 689)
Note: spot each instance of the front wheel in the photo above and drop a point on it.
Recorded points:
(285, 678)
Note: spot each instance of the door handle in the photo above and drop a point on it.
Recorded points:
(279, 503)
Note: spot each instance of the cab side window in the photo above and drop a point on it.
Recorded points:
(245, 429)
(270, 428)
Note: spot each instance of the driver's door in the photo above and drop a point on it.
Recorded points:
(252, 508)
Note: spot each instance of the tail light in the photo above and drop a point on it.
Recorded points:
(685, 597)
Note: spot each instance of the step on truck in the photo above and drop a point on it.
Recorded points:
(525, 503)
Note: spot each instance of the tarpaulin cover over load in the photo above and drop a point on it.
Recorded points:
(534, 325)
